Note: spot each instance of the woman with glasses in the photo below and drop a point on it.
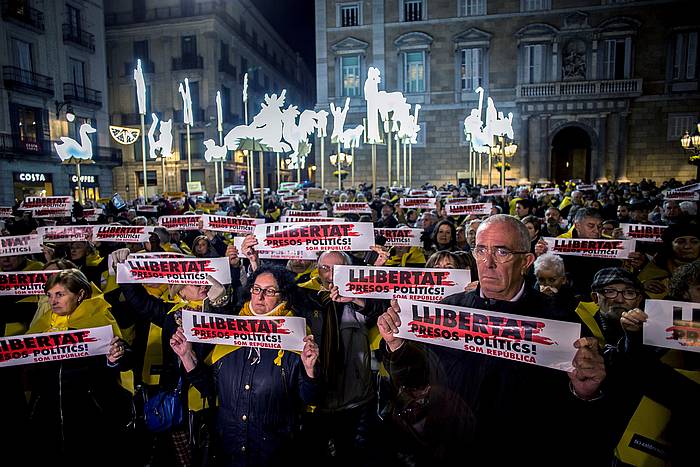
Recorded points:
(261, 392)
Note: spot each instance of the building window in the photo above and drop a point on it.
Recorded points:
(412, 10)
(685, 56)
(77, 72)
(350, 75)
(535, 5)
(73, 17)
(349, 14)
(414, 72)
(678, 124)
(472, 7)
(471, 69)
(23, 55)
(150, 174)
(28, 127)
(196, 146)
(534, 63)
(615, 59)
(188, 46)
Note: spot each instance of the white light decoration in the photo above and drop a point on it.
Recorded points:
(186, 103)
(70, 149)
(124, 135)
(140, 88)
(213, 152)
(265, 128)
(163, 147)
(297, 135)
(352, 136)
(382, 103)
(245, 87)
(321, 123)
(339, 116)
(219, 112)
(482, 133)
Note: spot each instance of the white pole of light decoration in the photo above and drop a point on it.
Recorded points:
(188, 121)
(388, 149)
(141, 99)
(248, 155)
(405, 180)
(277, 165)
(220, 130)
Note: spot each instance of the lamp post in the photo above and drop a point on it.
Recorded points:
(691, 143)
(339, 160)
(505, 148)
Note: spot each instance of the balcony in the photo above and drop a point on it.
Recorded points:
(571, 90)
(78, 36)
(197, 115)
(226, 67)
(146, 65)
(80, 94)
(165, 13)
(188, 62)
(19, 12)
(27, 81)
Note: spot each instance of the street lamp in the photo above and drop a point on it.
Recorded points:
(70, 115)
(507, 148)
(691, 143)
(339, 160)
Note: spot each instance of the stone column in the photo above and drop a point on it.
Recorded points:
(621, 162)
(523, 142)
(599, 153)
(544, 157)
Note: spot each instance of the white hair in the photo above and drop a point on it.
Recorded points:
(522, 236)
(689, 208)
(551, 262)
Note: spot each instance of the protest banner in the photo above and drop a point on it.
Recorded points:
(536, 341)
(295, 219)
(458, 199)
(191, 271)
(546, 191)
(174, 194)
(443, 193)
(65, 233)
(293, 199)
(187, 222)
(239, 225)
(5, 211)
(55, 346)
(288, 186)
(314, 195)
(45, 213)
(284, 192)
(404, 236)
(429, 285)
(299, 213)
(265, 332)
(264, 253)
(24, 282)
(20, 245)
(692, 187)
(643, 232)
(678, 195)
(62, 203)
(343, 236)
(121, 233)
(468, 209)
(147, 208)
(594, 248)
(586, 187)
(420, 193)
(226, 198)
(493, 192)
(672, 325)
(418, 203)
(351, 208)
(92, 214)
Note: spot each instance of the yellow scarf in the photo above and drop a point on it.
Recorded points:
(90, 313)
(220, 350)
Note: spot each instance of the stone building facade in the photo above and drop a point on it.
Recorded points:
(52, 56)
(213, 44)
(598, 89)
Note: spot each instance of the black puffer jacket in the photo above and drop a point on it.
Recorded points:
(259, 404)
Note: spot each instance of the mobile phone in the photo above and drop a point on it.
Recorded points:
(371, 256)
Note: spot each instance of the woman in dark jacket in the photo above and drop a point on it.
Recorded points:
(444, 237)
(261, 392)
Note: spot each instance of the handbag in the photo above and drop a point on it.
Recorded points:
(164, 410)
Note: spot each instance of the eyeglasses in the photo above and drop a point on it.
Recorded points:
(325, 268)
(627, 294)
(500, 254)
(268, 292)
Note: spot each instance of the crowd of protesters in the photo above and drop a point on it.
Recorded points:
(357, 394)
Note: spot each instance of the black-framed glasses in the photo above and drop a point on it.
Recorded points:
(627, 294)
(500, 254)
(268, 292)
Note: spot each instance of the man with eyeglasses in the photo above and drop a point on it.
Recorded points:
(499, 393)
(343, 424)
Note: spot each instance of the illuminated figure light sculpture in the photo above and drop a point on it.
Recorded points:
(297, 135)
(380, 104)
(213, 152)
(163, 147)
(339, 115)
(352, 136)
(265, 128)
(70, 149)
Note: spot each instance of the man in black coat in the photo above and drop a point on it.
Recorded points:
(482, 409)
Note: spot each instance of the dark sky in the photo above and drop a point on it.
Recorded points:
(294, 21)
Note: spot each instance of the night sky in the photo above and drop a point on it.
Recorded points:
(294, 21)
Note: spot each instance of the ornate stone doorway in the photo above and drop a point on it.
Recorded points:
(571, 155)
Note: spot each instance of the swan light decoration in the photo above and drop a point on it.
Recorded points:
(69, 149)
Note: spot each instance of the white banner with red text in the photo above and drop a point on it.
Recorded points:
(672, 325)
(341, 236)
(594, 247)
(191, 271)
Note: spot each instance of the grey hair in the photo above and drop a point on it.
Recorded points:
(689, 207)
(583, 213)
(346, 257)
(522, 236)
(552, 262)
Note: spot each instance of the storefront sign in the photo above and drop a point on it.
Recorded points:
(31, 177)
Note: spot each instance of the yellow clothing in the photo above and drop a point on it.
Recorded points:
(568, 234)
(511, 205)
(414, 256)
